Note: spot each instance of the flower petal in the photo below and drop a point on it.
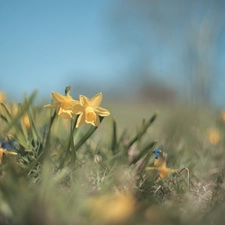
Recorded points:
(96, 100)
(10, 153)
(97, 122)
(102, 112)
(57, 97)
(1, 155)
(84, 101)
(65, 113)
(5, 152)
(69, 98)
(77, 109)
(75, 102)
(51, 105)
(80, 120)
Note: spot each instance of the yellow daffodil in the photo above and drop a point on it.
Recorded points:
(2, 96)
(89, 110)
(63, 103)
(26, 121)
(214, 136)
(223, 116)
(112, 208)
(5, 152)
(162, 168)
(160, 165)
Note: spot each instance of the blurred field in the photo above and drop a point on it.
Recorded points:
(104, 181)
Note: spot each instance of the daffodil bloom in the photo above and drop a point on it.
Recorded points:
(112, 208)
(160, 165)
(26, 121)
(5, 152)
(223, 116)
(89, 110)
(63, 103)
(2, 96)
(214, 136)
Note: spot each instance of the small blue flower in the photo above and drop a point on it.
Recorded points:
(157, 153)
(9, 145)
(5, 144)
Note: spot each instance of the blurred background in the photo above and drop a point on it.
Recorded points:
(147, 50)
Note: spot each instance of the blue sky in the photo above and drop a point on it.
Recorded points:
(47, 45)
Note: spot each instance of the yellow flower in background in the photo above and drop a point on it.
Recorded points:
(160, 165)
(89, 110)
(5, 152)
(112, 208)
(63, 103)
(2, 96)
(214, 136)
(26, 121)
(223, 116)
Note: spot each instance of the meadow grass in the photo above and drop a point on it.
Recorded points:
(97, 175)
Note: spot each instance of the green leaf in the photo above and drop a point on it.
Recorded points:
(24, 129)
(12, 122)
(144, 151)
(33, 129)
(145, 126)
(147, 157)
(47, 141)
(114, 137)
(2, 117)
(86, 136)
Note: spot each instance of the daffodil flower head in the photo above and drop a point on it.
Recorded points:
(63, 103)
(223, 115)
(26, 121)
(2, 96)
(214, 136)
(89, 110)
(160, 165)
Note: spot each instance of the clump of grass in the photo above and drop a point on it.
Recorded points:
(62, 175)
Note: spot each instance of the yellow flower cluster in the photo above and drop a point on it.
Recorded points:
(87, 109)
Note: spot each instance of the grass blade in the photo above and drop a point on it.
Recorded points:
(144, 151)
(143, 130)
(114, 137)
